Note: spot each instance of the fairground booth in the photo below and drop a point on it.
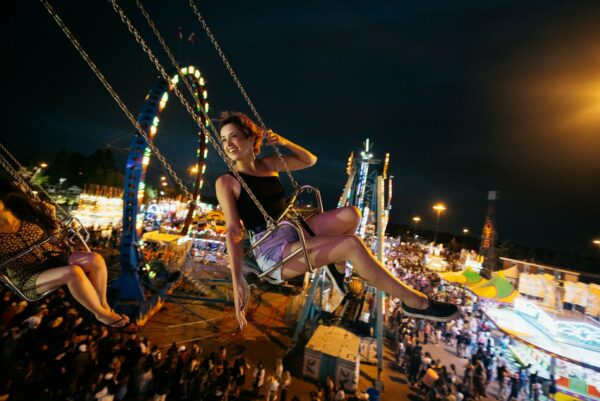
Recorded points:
(551, 315)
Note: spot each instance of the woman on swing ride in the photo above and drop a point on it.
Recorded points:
(25, 222)
(334, 241)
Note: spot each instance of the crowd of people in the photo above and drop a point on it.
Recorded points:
(471, 335)
(50, 351)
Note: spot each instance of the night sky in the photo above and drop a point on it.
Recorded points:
(466, 96)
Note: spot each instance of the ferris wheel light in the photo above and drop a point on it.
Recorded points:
(191, 69)
(197, 74)
(205, 153)
(175, 80)
(206, 107)
(184, 70)
(204, 94)
(201, 81)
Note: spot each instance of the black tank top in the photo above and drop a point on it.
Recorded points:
(269, 192)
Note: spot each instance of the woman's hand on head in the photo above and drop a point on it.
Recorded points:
(273, 139)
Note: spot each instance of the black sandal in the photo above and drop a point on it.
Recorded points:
(115, 325)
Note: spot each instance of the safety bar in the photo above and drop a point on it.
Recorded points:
(294, 221)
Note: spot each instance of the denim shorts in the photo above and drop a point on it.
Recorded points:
(270, 252)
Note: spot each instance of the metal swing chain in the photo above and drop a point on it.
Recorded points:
(240, 87)
(10, 169)
(116, 97)
(215, 140)
(188, 108)
(17, 176)
(173, 60)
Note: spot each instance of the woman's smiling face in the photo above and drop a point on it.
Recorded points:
(237, 145)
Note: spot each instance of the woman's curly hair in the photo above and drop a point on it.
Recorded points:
(24, 207)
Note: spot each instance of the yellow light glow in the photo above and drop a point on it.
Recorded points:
(416, 219)
(43, 165)
(175, 80)
(465, 230)
(596, 242)
(197, 74)
(184, 70)
(439, 207)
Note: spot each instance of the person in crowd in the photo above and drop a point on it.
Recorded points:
(552, 390)
(285, 385)
(334, 242)
(24, 222)
(258, 378)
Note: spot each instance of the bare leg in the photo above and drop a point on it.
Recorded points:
(95, 268)
(344, 220)
(325, 249)
(80, 287)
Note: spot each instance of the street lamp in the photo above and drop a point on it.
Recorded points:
(439, 208)
(43, 165)
(416, 220)
(597, 243)
(465, 231)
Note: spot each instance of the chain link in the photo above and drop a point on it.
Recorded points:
(241, 88)
(116, 97)
(19, 178)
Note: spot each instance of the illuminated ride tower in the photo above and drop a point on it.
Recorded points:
(361, 189)
(487, 248)
(128, 283)
(366, 189)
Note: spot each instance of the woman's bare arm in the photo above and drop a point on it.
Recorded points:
(234, 237)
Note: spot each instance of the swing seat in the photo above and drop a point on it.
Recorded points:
(70, 237)
(293, 216)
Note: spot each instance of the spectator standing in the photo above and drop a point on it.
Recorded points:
(258, 378)
(285, 384)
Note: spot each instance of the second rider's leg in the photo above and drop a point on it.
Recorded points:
(95, 268)
(80, 287)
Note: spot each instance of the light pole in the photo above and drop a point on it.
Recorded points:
(439, 208)
(465, 231)
(416, 220)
